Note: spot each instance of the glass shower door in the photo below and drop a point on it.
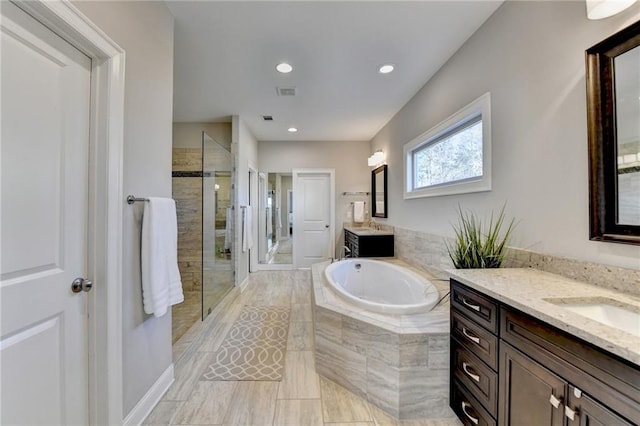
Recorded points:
(217, 223)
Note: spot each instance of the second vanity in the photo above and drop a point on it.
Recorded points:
(529, 347)
(368, 242)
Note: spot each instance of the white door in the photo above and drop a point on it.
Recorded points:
(312, 217)
(44, 194)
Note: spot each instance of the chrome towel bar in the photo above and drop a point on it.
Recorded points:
(132, 199)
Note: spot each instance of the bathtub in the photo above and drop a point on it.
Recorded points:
(381, 287)
(397, 362)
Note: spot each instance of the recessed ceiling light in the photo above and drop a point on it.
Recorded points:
(292, 130)
(284, 68)
(386, 68)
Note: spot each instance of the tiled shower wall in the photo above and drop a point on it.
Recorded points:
(429, 252)
(187, 192)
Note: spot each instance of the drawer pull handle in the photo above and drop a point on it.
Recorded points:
(475, 420)
(555, 401)
(471, 305)
(571, 414)
(470, 336)
(466, 369)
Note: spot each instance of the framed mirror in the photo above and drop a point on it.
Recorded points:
(613, 126)
(379, 191)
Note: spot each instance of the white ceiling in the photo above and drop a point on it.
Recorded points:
(226, 53)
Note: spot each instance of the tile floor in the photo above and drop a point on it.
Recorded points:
(284, 254)
(302, 397)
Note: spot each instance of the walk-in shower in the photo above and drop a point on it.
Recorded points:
(203, 187)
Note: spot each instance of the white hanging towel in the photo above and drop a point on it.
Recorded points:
(278, 218)
(269, 221)
(358, 211)
(161, 283)
(227, 229)
(247, 238)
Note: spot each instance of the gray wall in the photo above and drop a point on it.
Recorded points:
(145, 31)
(245, 147)
(530, 56)
(189, 135)
(349, 159)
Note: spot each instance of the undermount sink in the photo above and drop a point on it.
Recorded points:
(611, 312)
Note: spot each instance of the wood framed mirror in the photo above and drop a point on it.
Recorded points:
(613, 126)
(379, 191)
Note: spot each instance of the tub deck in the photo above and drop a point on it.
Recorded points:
(400, 363)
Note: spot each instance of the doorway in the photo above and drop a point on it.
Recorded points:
(102, 213)
(275, 220)
(313, 216)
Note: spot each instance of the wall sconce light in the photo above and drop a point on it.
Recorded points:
(600, 9)
(376, 158)
(216, 187)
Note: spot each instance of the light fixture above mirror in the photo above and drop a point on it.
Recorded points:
(376, 158)
(600, 9)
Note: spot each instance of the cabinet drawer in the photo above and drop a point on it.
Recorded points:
(350, 238)
(476, 376)
(468, 409)
(478, 340)
(477, 307)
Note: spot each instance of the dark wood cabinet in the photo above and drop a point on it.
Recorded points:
(378, 245)
(585, 411)
(512, 369)
(474, 356)
(530, 394)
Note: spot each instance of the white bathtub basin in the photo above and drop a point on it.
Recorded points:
(381, 286)
(607, 311)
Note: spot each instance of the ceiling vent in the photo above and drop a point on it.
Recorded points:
(286, 91)
(267, 117)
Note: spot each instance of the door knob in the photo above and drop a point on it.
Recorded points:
(81, 284)
(326, 226)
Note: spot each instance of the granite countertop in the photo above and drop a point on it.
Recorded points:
(365, 232)
(529, 290)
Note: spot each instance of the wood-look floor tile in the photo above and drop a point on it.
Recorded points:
(382, 418)
(300, 380)
(187, 375)
(300, 336)
(162, 413)
(298, 412)
(207, 405)
(301, 312)
(215, 338)
(253, 403)
(301, 292)
(341, 406)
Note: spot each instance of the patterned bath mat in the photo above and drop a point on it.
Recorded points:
(254, 348)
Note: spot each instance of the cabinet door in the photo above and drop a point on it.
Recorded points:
(530, 394)
(582, 410)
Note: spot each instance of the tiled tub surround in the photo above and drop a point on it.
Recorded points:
(428, 252)
(399, 363)
(528, 291)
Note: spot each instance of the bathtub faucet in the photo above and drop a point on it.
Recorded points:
(344, 253)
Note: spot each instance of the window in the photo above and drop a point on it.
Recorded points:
(453, 157)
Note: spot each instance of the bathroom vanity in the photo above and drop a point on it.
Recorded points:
(368, 242)
(521, 354)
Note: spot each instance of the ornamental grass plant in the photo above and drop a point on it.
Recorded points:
(477, 247)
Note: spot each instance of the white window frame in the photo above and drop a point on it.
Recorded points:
(482, 107)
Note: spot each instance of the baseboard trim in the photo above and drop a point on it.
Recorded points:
(243, 285)
(144, 407)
